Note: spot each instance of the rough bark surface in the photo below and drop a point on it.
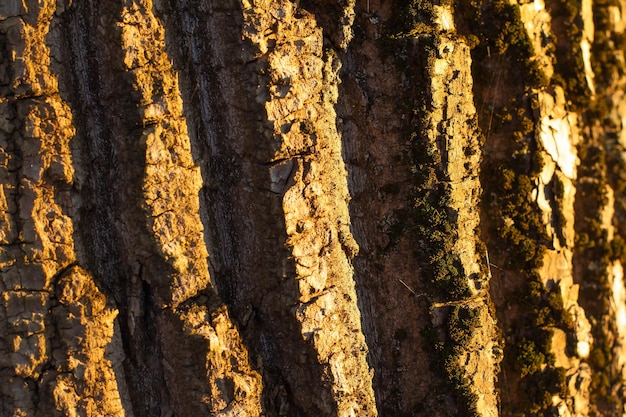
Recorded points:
(312, 208)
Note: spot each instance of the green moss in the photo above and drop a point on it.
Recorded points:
(431, 222)
(518, 223)
(415, 12)
(605, 63)
(537, 76)
(600, 355)
(462, 322)
(569, 65)
(541, 387)
(498, 25)
(467, 400)
(528, 359)
(595, 252)
(520, 242)
(618, 248)
(616, 177)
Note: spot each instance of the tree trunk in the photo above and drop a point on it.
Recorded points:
(312, 208)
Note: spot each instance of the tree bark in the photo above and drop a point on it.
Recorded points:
(312, 208)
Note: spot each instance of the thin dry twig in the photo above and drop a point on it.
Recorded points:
(407, 287)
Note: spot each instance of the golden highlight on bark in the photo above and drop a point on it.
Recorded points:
(312, 208)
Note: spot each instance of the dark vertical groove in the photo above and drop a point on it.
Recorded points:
(90, 119)
(110, 169)
(381, 96)
(244, 222)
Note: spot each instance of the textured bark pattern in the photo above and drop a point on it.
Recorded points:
(312, 208)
